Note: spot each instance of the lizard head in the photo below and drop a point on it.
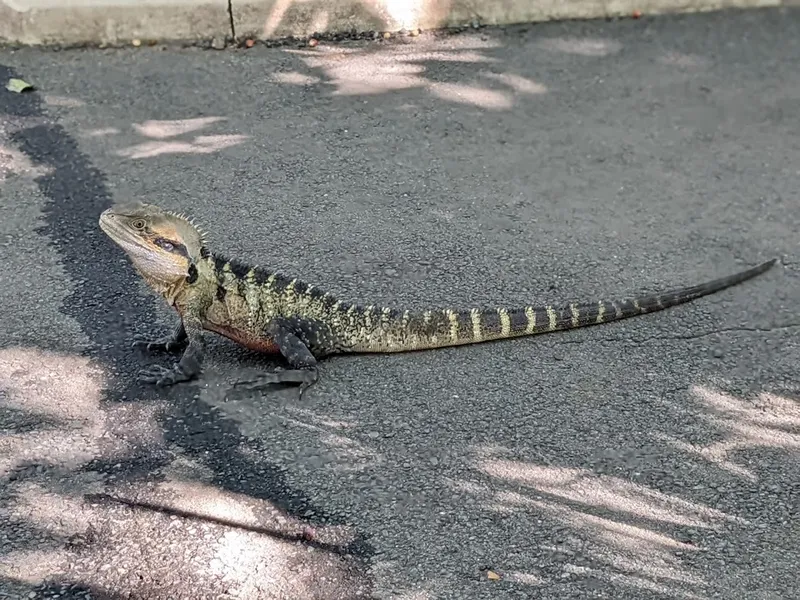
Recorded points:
(162, 245)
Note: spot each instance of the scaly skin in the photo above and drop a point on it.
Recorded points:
(269, 312)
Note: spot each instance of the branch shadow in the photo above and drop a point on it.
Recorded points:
(468, 72)
(622, 531)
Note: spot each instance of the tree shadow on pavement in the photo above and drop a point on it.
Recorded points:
(608, 479)
(653, 515)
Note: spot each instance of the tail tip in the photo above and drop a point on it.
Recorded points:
(761, 268)
(769, 263)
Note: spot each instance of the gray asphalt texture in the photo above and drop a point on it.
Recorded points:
(652, 458)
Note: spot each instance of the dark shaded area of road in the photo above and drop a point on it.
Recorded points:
(107, 309)
(654, 458)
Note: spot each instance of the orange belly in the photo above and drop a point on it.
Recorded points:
(258, 344)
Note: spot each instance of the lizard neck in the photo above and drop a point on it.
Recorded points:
(198, 286)
(177, 292)
(169, 290)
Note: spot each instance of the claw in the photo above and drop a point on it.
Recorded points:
(156, 345)
(161, 376)
(304, 387)
(154, 374)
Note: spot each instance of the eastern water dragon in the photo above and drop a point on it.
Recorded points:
(269, 312)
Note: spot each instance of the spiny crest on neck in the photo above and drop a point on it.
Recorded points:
(189, 222)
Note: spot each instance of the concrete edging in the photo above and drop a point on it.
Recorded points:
(118, 22)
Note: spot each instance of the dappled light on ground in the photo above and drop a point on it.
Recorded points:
(203, 144)
(59, 395)
(254, 548)
(518, 83)
(49, 404)
(610, 493)
(166, 129)
(68, 461)
(161, 138)
(387, 15)
(206, 500)
(352, 455)
(630, 534)
(240, 555)
(356, 73)
(55, 517)
(163, 132)
(624, 528)
(31, 566)
(414, 596)
(294, 78)
(768, 421)
(581, 46)
(13, 163)
(101, 131)
(525, 578)
(468, 94)
(378, 70)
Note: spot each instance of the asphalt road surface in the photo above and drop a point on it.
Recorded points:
(652, 458)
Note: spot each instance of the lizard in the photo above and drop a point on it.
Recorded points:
(270, 312)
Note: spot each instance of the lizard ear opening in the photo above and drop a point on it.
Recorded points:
(192, 274)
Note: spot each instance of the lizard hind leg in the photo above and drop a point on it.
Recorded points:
(292, 336)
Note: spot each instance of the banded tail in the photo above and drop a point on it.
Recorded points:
(374, 329)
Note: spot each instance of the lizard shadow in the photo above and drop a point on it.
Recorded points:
(108, 309)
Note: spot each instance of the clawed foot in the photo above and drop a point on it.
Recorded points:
(163, 376)
(162, 344)
(304, 377)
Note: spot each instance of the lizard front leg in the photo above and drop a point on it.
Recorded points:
(190, 364)
(172, 342)
(295, 338)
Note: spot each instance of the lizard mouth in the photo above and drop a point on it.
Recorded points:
(150, 260)
(117, 231)
(121, 235)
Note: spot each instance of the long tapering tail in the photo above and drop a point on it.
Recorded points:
(375, 329)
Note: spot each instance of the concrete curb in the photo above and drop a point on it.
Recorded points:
(267, 19)
(118, 22)
(71, 22)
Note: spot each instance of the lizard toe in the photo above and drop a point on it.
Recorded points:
(158, 345)
(155, 374)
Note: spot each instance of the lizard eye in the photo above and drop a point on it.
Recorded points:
(138, 224)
